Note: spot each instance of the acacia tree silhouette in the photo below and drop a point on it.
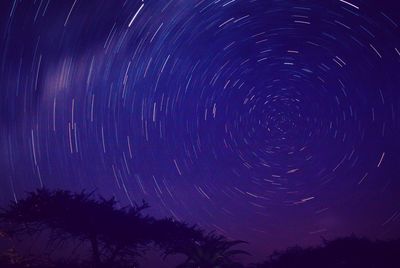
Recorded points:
(115, 235)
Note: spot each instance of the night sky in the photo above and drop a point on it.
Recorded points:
(271, 121)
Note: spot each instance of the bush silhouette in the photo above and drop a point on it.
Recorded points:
(210, 251)
(348, 252)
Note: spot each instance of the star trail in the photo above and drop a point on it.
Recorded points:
(275, 122)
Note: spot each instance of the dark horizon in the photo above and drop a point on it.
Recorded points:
(59, 228)
(273, 122)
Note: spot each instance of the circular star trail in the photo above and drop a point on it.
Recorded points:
(268, 121)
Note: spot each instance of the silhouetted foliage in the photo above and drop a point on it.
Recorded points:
(208, 251)
(349, 252)
(173, 236)
(115, 235)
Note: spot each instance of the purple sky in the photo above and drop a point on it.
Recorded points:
(275, 122)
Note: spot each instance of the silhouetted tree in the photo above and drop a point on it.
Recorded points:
(208, 251)
(349, 252)
(115, 235)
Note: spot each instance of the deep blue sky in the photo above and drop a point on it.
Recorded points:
(276, 122)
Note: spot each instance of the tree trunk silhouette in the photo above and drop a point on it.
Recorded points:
(95, 251)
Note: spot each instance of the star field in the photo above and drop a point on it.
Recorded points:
(276, 122)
